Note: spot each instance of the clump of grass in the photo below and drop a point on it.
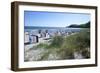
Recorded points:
(86, 53)
(57, 42)
(78, 41)
(66, 46)
(42, 45)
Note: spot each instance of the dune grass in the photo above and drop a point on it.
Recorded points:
(66, 46)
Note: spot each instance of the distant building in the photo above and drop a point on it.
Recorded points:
(26, 38)
(39, 35)
(30, 38)
(34, 39)
(47, 35)
(43, 34)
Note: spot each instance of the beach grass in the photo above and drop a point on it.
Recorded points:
(65, 47)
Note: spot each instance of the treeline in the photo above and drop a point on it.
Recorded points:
(86, 25)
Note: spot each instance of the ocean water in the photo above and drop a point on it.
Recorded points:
(52, 29)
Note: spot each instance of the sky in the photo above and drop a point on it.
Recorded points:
(54, 19)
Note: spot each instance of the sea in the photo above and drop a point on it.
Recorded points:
(52, 29)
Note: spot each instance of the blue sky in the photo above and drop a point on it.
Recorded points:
(54, 19)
